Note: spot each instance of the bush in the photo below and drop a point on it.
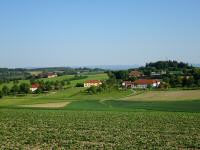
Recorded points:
(1, 94)
(164, 85)
(24, 88)
(79, 85)
(92, 90)
(15, 89)
(5, 90)
(39, 91)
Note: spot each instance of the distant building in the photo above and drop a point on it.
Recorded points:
(51, 75)
(91, 83)
(135, 74)
(34, 87)
(162, 72)
(155, 73)
(141, 83)
(128, 84)
(48, 75)
(145, 83)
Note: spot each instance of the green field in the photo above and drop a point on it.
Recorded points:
(100, 76)
(109, 120)
(61, 129)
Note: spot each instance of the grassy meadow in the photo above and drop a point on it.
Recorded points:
(126, 119)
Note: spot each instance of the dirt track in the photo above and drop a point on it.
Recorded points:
(47, 105)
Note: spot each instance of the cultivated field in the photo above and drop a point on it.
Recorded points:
(175, 95)
(73, 119)
(61, 129)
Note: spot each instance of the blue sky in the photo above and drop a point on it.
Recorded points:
(38, 33)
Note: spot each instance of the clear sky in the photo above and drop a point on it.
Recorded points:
(38, 33)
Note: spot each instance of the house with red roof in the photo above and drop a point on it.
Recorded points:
(34, 87)
(141, 83)
(90, 83)
(51, 75)
(145, 83)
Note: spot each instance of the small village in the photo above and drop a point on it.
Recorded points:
(100, 75)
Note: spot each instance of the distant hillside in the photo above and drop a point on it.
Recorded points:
(114, 67)
(196, 65)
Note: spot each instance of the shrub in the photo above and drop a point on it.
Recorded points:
(5, 90)
(24, 88)
(39, 91)
(15, 89)
(79, 85)
(1, 94)
(92, 90)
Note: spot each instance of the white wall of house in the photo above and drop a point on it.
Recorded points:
(33, 89)
(140, 86)
(91, 84)
(156, 84)
(53, 76)
(144, 86)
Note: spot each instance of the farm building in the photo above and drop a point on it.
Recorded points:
(159, 73)
(145, 83)
(90, 83)
(34, 87)
(141, 83)
(51, 75)
(135, 74)
(128, 84)
(48, 75)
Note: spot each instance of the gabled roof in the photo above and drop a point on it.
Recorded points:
(146, 81)
(36, 85)
(128, 82)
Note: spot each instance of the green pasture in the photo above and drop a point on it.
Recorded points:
(100, 76)
(10, 84)
(121, 105)
(70, 94)
(59, 78)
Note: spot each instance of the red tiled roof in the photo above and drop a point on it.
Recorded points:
(128, 82)
(146, 81)
(93, 81)
(36, 85)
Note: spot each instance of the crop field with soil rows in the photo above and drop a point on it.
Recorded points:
(63, 129)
